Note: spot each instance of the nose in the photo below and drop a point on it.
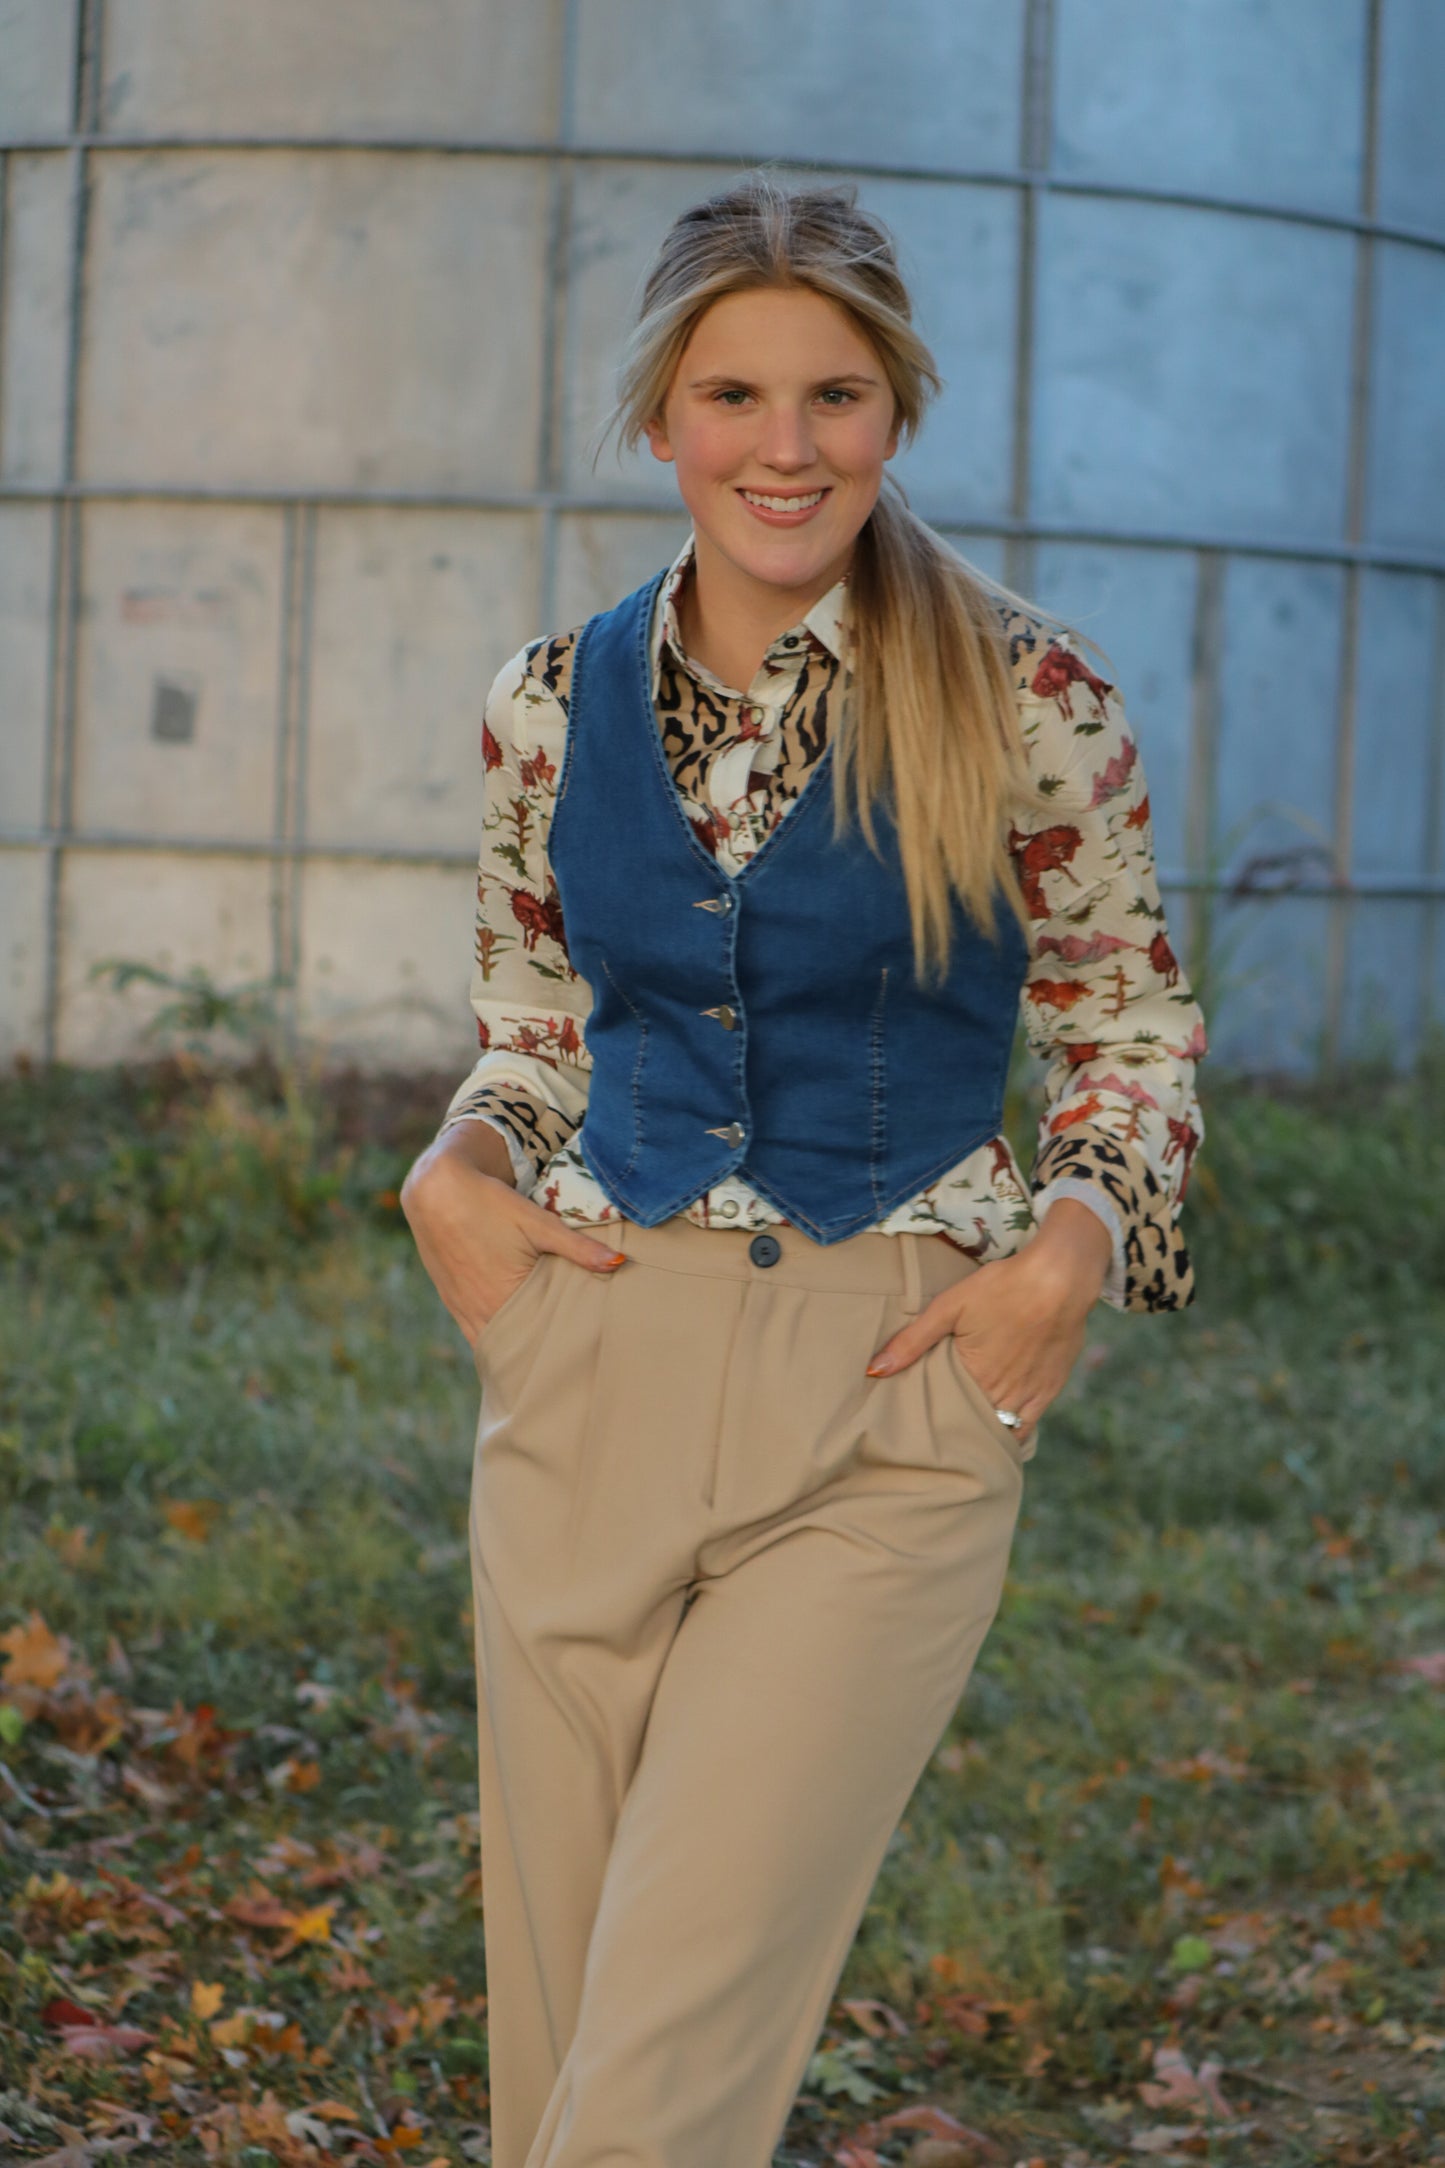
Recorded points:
(787, 439)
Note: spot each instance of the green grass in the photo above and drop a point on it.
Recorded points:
(1192, 1799)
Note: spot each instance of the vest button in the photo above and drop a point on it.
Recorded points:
(727, 1017)
(732, 1135)
(765, 1249)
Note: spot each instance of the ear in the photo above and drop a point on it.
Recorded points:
(657, 437)
(894, 435)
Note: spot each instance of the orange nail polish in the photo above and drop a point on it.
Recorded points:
(878, 1369)
(618, 1257)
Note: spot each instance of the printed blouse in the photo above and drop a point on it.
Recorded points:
(1106, 1009)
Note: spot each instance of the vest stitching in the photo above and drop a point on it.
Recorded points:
(642, 1028)
(877, 1085)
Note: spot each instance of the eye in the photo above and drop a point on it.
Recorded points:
(731, 395)
(838, 393)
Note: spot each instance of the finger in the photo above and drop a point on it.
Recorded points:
(916, 1337)
(550, 1233)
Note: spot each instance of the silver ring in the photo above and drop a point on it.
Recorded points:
(1009, 1420)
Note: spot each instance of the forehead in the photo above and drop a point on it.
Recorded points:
(778, 331)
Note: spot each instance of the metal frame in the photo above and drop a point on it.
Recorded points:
(288, 850)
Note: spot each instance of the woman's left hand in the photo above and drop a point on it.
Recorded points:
(1020, 1322)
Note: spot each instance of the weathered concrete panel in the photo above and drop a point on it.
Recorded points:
(469, 70)
(1394, 723)
(1268, 974)
(26, 532)
(175, 913)
(1279, 679)
(1384, 981)
(24, 882)
(1139, 606)
(958, 246)
(1193, 371)
(619, 214)
(37, 64)
(34, 314)
(1407, 419)
(1412, 140)
(912, 84)
(415, 612)
(1261, 99)
(178, 679)
(602, 556)
(386, 958)
(314, 319)
(986, 552)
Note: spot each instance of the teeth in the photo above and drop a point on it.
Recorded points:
(784, 504)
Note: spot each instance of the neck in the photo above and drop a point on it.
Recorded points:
(729, 619)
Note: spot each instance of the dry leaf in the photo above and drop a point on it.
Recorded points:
(206, 1998)
(1177, 2085)
(315, 1925)
(33, 1655)
(193, 1518)
(875, 2018)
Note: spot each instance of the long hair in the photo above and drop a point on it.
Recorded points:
(931, 722)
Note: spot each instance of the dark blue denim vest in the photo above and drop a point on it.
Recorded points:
(767, 1024)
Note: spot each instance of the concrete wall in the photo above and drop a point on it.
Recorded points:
(307, 316)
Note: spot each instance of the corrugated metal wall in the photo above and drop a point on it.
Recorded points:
(307, 314)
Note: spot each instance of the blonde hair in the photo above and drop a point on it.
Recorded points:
(932, 719)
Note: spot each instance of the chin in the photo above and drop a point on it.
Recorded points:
(785, 560)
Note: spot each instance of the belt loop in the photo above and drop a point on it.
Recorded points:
(912, 1272)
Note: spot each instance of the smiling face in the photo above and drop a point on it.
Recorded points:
(779, 420)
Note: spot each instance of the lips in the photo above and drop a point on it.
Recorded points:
(780, 508)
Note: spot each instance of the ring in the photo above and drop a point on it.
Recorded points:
(1009, 1420)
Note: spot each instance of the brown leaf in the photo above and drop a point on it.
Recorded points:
(206, 1998)
(259, 1909)
(34, 1656)
(193, 1518)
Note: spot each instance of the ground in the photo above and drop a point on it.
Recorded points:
(1170, 1889)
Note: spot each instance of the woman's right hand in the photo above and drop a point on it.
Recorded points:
(476, 1237)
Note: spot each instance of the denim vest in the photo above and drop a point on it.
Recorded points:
(766, 1024)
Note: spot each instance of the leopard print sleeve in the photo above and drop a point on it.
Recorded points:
(1158, 1269)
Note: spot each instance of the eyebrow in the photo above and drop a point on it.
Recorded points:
(740, 383)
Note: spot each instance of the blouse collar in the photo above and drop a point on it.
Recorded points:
(826, 623)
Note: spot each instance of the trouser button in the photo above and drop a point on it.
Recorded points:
(765, 1249)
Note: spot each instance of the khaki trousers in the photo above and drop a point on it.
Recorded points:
(728, 1590)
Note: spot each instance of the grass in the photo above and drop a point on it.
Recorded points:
(1183, 1842)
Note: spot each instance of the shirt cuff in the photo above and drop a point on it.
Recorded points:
(1089, 1193)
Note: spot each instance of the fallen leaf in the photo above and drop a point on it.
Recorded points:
(96, 2043)
(34, 1656)
(875, 2018)
(206, 1998)
(1176, 2084)
(315, 1925)
(61, 2011)
(193, 1518)
(1167, 2138)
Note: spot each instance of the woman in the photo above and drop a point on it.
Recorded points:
(793, 832)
